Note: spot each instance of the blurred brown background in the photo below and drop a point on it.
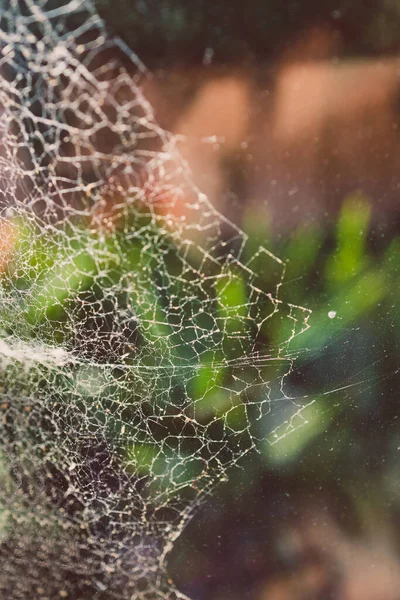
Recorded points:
(294, 139)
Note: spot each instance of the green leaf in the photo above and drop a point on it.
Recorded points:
(349, 258)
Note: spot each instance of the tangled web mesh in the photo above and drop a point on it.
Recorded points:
(134, 371)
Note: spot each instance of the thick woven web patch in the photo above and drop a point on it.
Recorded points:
(133, 317)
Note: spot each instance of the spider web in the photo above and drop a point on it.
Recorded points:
(133, 320)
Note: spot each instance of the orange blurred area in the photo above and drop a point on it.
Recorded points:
(7, 243)
(337, 565)
(297, 137)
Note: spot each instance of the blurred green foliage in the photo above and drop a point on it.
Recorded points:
(351, 286)
(342, 408)
(342, 369)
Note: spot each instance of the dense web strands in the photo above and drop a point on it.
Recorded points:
(133, 320)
